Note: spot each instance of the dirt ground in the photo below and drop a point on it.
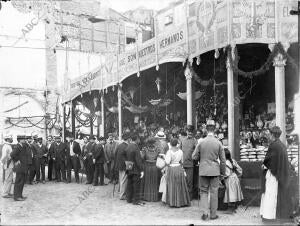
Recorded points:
(77, 204)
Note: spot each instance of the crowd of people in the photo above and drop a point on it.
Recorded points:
(176, 170)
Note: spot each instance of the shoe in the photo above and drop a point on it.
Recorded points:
(103, 184)
(19, 199)
(139, 203)
(204, 217)
(43, 182)
(23, 197)
(7, 196)
(95, 184)
(214, 218)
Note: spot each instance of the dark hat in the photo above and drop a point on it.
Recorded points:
(151, 141)
(21, 137)
(126, 136)
(276, 130)
(28, 137)
(110, 134)
(92, 137)
(190, 128)
(101, 138)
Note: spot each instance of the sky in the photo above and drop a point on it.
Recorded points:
(124, 5)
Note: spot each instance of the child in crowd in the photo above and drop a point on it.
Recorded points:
(233, 193)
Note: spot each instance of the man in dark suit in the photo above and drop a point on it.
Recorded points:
(30, 160)
(99, 160)
(135, 173)
(20, 157)
(37, 155)
(42, 155)
(209, 151)
(120, 167)
(88, 159)
(58, 149)
(50, 156)
(72, 156)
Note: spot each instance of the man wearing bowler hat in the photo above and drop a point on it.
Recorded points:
(99, 160)
(72, 156)
(88, 159)
(58, 149)
(20, 157)
(208, 152)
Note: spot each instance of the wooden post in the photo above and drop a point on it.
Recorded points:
(73, 126)
(120, 110)
(64, 123)
(91, 125)
(102, 116)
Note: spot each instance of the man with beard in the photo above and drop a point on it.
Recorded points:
(20, 157)
(99, 160)
(134, 170)
(50, 156)
(88, 159)
(42, 155)
(7, 164)
(120, 166)
(58, 150)
(72, 155)
(110, 150)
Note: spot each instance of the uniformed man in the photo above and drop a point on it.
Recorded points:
(88, 159)
(72, 155)
(20, 157)
(42, 155)
(7, 165)
(58, 150)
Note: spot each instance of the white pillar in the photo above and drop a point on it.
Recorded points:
(230, 101)
(102, 116)
(2, 117)
(279, 63)
(189, 95)
(120, 110)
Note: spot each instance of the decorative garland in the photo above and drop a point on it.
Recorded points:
(278, 49)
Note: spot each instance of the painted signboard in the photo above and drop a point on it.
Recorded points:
(213, 24)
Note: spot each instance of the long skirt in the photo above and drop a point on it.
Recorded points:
(233, 192)
(177, 194)
(268, 203)
(151, 182)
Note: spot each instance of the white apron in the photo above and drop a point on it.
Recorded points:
(269, 198)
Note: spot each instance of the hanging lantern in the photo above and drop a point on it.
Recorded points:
(157, 67)
(113, 88)
(198, 60)
(217, 53)
(259, 123)
(138, 74)
(158, 82)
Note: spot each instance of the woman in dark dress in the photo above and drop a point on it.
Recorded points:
(276, 200)
(152, 173)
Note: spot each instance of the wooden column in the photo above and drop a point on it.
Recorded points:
(120, 110)
(189, 94)
(64, 123)
(102, 116)
(73, 118)
(233, 112)
(279, 63)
